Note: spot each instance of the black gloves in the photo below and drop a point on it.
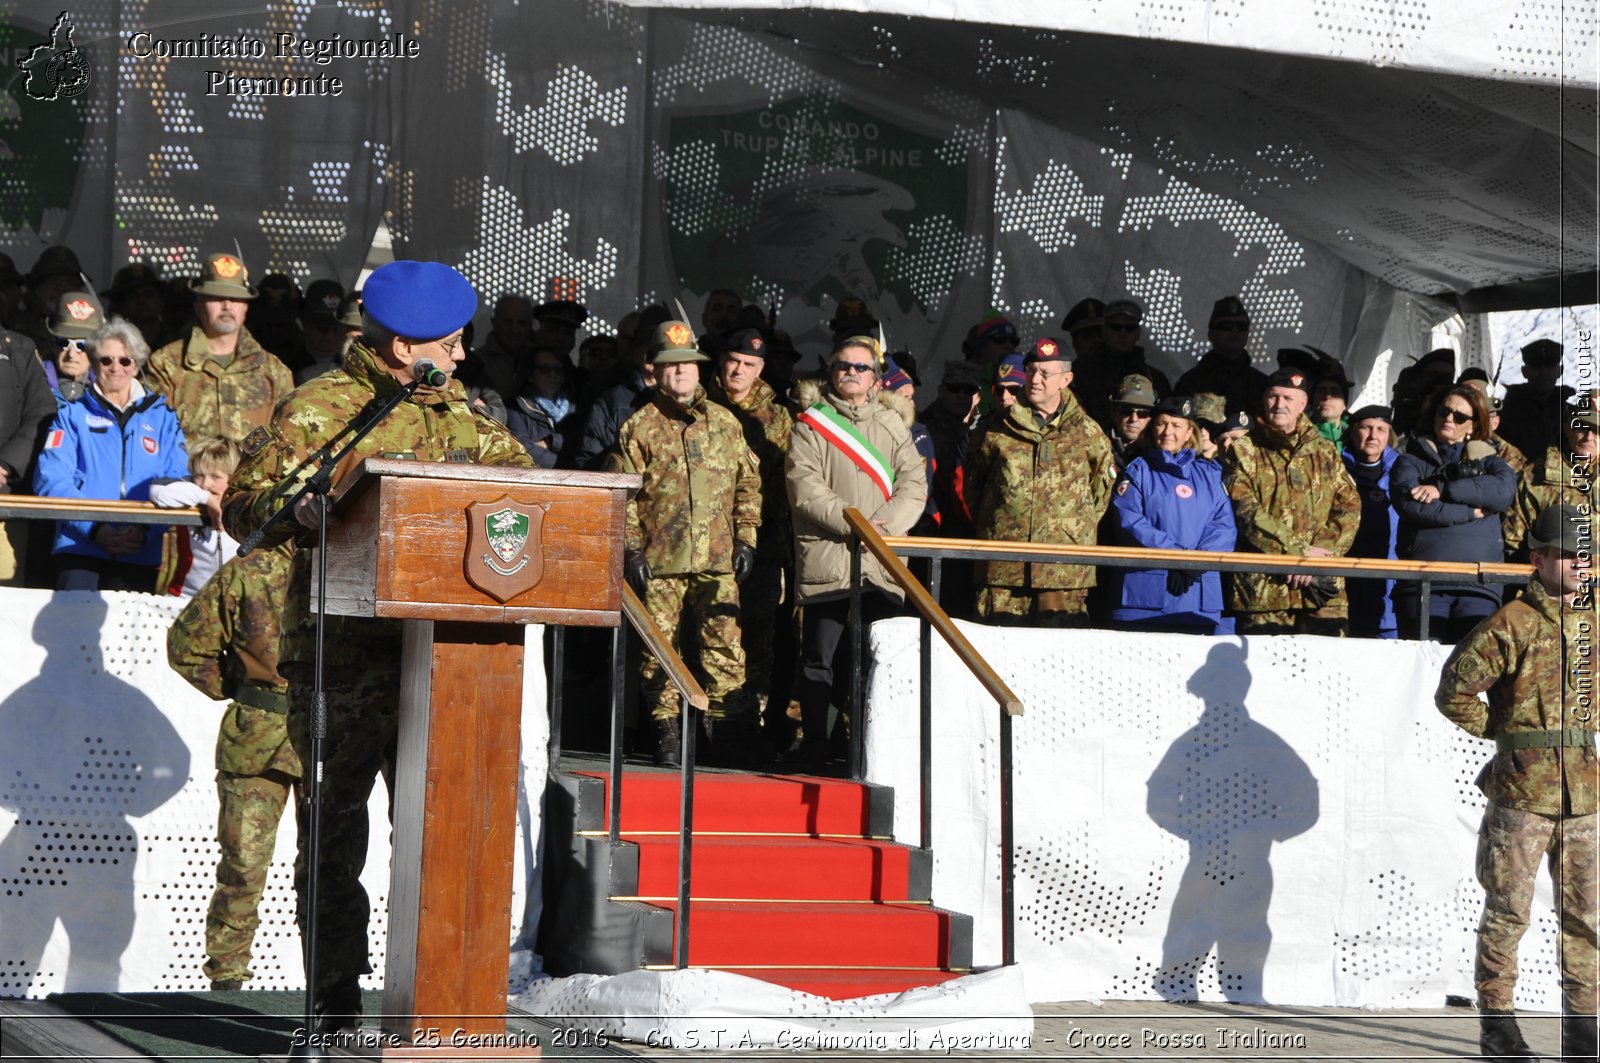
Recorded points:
(744, 559)
(636, 570)
(1323, 589)
(1179, 582)
(1465, 469)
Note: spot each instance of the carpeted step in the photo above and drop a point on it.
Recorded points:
(785, 868)
(845, 985)
(747, 803)
(822, 934)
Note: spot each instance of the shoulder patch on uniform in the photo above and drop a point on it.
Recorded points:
(255, 441)
(1122, 487)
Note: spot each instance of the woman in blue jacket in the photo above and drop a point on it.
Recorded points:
(113, 443)
(1450, 487)
(1168, 498)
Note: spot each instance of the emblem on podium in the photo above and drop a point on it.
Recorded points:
(505, 556)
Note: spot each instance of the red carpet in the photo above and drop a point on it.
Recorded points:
(790, 886)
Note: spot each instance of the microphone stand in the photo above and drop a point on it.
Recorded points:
(313, 1046)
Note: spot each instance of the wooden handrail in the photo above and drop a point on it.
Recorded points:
(1157, 558)
(931, 611)
(656, 642)
(111, 510)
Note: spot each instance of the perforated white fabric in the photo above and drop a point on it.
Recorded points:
(1291, 821)
(108, 809)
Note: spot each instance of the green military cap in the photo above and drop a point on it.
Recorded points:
(1135, 390)
(674, 343)
(225, 276)
(1210, 407)
(1562, 527)
(77, 316)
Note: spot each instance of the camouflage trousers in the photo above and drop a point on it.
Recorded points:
(1332, 620)
(363, 721)
(247, 831)
(1511, 843)
(710, 601)
(1018, 607)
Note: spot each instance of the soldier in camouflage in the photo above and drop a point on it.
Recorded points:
(764, 621)
(219, 380)
(691, 538)
(225, 644)
(1042, 472)
(1567, 474)
(1291, 495)
(412, 311)
(1534, 660)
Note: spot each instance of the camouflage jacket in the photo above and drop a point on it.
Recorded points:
(212, 399)
(1559, 478)
(1534, 659)
(1049, 484)
(225, 644)
(426, 427)
(767, 424)
(1508, 453)
(702, 485)
(1290, 493)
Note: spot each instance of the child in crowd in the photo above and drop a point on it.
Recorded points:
(191, 556)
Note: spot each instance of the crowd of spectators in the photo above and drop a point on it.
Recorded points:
(1078, 440)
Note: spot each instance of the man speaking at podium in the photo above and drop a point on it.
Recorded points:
(412, 312)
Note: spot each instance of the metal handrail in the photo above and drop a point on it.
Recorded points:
(691, 695)
(934, 618)
(110, 510)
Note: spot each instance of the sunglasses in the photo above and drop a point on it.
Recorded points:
(1133, 413)
(1453, 416)
(851, 367)
(1122, 328)
(1231, 326)
(124, 361)
(62, 342)
(968, 390)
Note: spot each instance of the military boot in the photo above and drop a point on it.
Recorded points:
(337, 1008)
(1578, 1039)
(669, 740)
(1499, 1039)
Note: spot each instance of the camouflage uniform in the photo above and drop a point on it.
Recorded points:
(1534, 660)
(213, 399)
(766, 423)
(701, 494)
(1290, 493)
(361, 656)
(225, 644)
(1559, 478)
(1041, 483)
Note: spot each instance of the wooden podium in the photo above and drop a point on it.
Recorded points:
(465, 555)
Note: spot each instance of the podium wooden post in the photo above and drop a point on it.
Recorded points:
(465, 555)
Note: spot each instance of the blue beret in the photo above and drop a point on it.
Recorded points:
(419, 300)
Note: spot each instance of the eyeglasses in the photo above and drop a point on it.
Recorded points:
(851, 367)
(1122, 328)
(1231, 326)
(1444, 413)
(62, 342)
(124, 361)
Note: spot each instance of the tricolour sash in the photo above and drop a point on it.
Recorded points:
(836, 429)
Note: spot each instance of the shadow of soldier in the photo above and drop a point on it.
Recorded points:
(83, 752)
(1230, 788)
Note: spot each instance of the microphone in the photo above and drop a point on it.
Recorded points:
(427, 374)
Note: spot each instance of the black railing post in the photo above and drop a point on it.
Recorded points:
(689, 719)
(558, 654)
(1424, 594)
(925, 733)
(1008, 899)
(619, 682)
(855, 633)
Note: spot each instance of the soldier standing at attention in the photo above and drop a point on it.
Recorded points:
(219, 380)
(691, 538)
(1535, 660)
(764, 622)
(225, 645)
(411, 311)
(1291, 495)
(1041, 472)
